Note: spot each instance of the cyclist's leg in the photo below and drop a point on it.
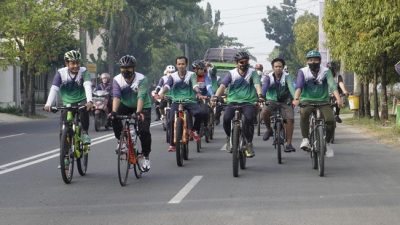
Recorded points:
(265, 115)
(63, 117)
(249, 112)
(228, 116)
(329, 121)
(157, 109)
(173, 109)
(163, 103)
(288, 115)
(304, 123)
(218, 111)
(117, 124)
(198, 112)
(84, 117)
(144, 132)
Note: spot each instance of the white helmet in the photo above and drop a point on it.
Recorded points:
(105, 75)
(170, 68)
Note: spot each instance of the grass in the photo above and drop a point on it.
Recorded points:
(12, 110)
(387, 133)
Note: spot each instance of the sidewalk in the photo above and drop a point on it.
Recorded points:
(10, 118)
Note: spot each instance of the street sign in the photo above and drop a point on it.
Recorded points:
(91, 67)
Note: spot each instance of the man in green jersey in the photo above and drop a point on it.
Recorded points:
(314, 82)
(74, 85)
(130, 96)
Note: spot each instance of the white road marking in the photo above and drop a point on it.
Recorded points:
(4, 168)
(185, 190)
(13, 135)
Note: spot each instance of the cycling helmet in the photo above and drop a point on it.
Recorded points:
(313, 54)
(105, 75)
(198, 64)
(278, 60)
(127, 61)
(72, 55)
(170, 68)
(241, 55)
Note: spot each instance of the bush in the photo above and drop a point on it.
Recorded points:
(11, 110)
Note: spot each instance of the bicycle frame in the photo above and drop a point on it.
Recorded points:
(131, 138)
(181, 114)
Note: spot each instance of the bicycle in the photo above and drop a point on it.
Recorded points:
(181, 134)
(71, 145)
(207, 128)
(316, 136)
(278, 131)
(238, 142)
(165, 118)
(129, 151)
(259, 119)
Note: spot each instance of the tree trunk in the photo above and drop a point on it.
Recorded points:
(46, 89)
(110, 47)
(25, 88)
(376, 101)
(362, 105)
(367, 101)
(357, 91)
(32, 110)
(384, 109)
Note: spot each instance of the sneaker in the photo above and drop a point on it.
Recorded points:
(171, 148)
(86, 139)
(338, 120)
(216, 121)
(144, 163)
(289, 148)
(195, 135)
(329, 151)
(228, 145)
(305, 145)
(123, 149)
(249, 152)
(267, 134)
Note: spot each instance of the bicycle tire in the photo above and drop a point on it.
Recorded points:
(259, 123)
(179, 145)
(321, 143)
(186, 151)
(235, 149)
(123, 159)
(211, 122)
(278, 141)
(66, 156)
(242, 157)
(138, 172)
(97, 120)
(168, 130)
(82, 162)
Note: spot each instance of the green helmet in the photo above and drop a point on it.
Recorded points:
(313, 54)
(72, 55)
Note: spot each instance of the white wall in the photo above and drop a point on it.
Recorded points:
(9, 81)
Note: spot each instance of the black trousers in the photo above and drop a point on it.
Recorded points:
(248, 112)
(143, 127)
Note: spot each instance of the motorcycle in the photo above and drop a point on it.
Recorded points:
(100, 99)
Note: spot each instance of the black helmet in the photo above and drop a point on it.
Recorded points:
(278, 60)
(127, 61)
(198, 64)
(241, 55)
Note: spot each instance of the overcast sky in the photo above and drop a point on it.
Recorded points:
(242, 19)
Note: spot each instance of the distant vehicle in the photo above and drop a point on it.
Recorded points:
(222, 59)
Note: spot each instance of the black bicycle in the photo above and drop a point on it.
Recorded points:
(316, 136)
(259, 118)
(238, 141)
(278, 131)
(71, 145)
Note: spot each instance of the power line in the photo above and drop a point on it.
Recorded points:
(246, 14)
(250, 7)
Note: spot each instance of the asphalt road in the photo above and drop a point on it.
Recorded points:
(361, 186)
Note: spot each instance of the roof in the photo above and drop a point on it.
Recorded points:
(220, 55)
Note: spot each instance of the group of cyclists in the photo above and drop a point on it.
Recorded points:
(244, 87)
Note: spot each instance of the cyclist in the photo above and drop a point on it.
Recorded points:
(181, 86)
(278, 89)
(130, 96)
(163, 80)
(74, 84)
(244, 90)
(312, 86)
(215, 82)
(340, 87)
(105, 85)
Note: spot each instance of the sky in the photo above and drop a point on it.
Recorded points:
(242, 19)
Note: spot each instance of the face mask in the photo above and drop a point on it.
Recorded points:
(244, 67)
(127, 74)
(314, 66)
(259, 73)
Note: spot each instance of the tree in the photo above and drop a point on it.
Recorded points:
(305, 35)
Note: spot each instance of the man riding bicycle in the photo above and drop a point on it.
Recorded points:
(340, 87)
(181, 86)
(129, 97)
(215, 82)
(278, 89)
(244, 91)
(170, 69)
(314, 82)
(74, 84)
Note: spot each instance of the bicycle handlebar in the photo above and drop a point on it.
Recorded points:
(302, 105)
(55, 109)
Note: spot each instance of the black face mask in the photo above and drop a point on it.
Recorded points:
(127, 74)
(314, 66)
(244, 67)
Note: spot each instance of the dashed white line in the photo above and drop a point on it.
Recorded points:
(13, 135)
(185, 190)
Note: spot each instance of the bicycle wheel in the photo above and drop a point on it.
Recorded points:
(97, 120)
(211, 125)
(66, 156)
(186, 151)
(278, 141)
(168, 130)
(179, 145)
(235, 149)
(242, 157)
(123, 159)
(82, 162)
(321, 144)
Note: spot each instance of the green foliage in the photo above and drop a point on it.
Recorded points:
(306, 35)
(11, 110)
